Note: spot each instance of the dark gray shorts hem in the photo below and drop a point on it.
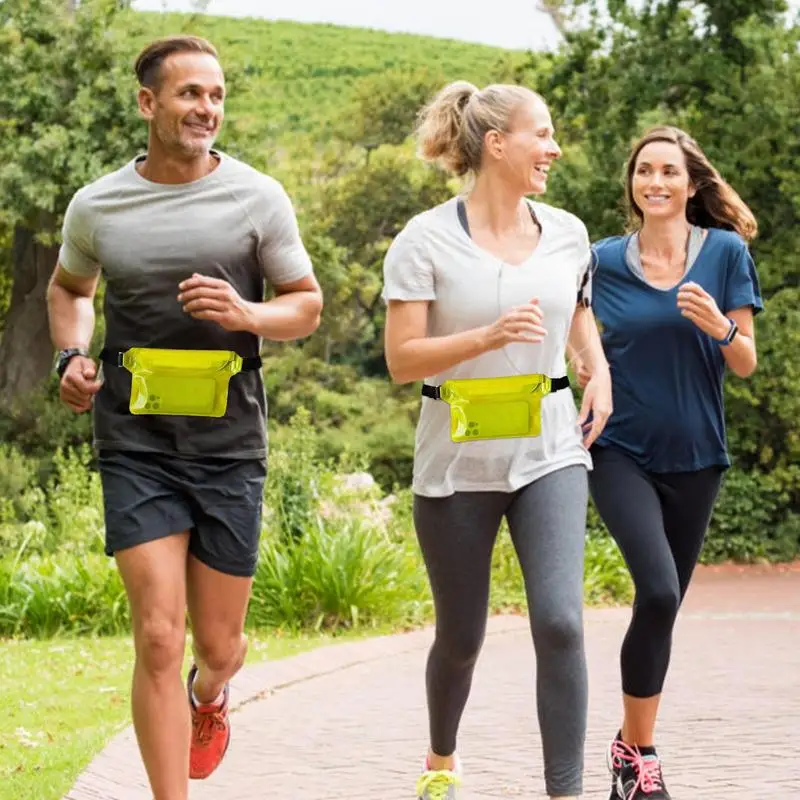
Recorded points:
(227, 568)
(111, 548)
(150, 496)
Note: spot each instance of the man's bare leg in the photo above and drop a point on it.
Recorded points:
(217, 608)
(154, 574)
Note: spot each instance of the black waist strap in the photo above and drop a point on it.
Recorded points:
(555, 384)
(115, 357)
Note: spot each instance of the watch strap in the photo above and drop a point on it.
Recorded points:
(731, 334)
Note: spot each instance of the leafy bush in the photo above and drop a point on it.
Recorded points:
(75, 503)
(57, 593)
(360, 423)
(42, 426)
(292, 489)
(344, 573)
(606, 577)
(753, 520)
(17, 479)
(327, 557)
(65, 514)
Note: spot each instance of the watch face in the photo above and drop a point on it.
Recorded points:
(64, 357)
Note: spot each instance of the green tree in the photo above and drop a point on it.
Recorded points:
(359, 213)
(385, 106)
(67, 114)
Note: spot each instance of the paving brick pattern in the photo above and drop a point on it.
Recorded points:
(348, 722)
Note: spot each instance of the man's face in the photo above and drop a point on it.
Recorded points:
(186, 108)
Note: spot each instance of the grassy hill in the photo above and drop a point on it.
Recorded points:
(296, 77)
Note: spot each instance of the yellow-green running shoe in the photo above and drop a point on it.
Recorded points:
(439, 784)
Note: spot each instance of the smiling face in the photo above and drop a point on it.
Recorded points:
(659, 184)
(524, 154)
(186, 108)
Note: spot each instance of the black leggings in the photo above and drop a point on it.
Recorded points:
(659, 521)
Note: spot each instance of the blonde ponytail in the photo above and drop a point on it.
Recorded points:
(452, 127)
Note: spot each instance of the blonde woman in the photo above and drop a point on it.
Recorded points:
(492, 285)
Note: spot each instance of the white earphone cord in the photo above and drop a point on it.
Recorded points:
(571, 361)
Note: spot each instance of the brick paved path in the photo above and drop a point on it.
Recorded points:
(348, 722)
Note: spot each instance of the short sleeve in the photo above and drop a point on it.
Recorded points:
(281, 252)
(407, 268)
(742, 287)
(76, 254)
(588, 262)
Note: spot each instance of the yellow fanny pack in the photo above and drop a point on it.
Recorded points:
(190, 383)
(495, 408)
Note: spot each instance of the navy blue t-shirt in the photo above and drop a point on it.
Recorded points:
(666, 373)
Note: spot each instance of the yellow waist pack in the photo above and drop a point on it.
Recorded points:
(495, 408)
(189, 383)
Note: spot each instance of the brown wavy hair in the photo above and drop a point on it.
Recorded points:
(715, 203)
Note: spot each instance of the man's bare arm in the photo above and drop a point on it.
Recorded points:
(70, 308)
(70, 312)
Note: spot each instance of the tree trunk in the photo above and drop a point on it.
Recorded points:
(555, 9)
(26, 353)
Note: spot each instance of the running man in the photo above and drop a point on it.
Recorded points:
(187, 240)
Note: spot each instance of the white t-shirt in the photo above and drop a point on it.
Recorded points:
(433, 258)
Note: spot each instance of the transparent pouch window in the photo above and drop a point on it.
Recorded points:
(495, 408)
(192, 383)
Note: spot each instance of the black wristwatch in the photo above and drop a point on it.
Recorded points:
(65, 356)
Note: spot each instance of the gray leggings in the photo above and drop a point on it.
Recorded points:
(547, 522)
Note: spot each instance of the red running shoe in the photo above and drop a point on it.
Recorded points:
(211, 733)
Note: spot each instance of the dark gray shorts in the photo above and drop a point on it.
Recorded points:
(148, 496)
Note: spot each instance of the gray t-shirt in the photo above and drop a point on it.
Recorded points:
(434, 259)
(236, 224)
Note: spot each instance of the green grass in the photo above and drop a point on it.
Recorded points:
(64, 699)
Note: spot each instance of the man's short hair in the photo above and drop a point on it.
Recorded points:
(148, 63)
